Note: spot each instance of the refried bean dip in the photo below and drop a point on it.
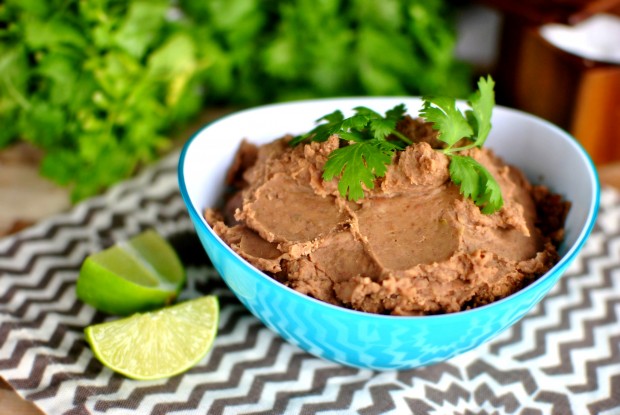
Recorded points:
(412, 246)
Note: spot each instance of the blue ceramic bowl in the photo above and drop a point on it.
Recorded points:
(544, 152)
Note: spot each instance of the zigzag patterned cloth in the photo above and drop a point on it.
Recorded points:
(562, 358)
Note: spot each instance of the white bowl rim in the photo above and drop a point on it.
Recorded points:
(564, 261)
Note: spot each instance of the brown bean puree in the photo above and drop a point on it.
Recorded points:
(412, 246)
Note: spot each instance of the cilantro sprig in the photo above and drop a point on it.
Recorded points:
(372, 140)
(462, 132)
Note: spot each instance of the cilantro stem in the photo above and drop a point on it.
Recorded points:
(451, 150)
(402, 137)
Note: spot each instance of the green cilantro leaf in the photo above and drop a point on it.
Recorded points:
(367, 112)
(474, 180)
(322, 131)
(476, 183)
(446, 118)
(363, 125)
(397, 113)
(368, 150)
(482, 103)
(382, 127)
(357, 164)
(356, 122)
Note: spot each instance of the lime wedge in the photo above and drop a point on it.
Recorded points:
(157, 344)
(141, 274)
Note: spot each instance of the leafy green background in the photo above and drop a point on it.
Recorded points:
(99, 85)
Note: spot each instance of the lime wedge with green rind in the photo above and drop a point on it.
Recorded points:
(157, 344)
(141, 274)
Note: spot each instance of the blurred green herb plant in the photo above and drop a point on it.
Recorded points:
(100, 85)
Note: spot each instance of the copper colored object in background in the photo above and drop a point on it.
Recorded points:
(578, 94)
